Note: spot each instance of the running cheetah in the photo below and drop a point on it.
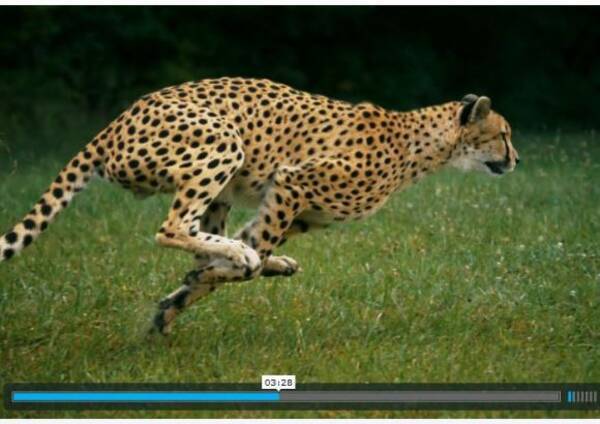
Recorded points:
(302, 160)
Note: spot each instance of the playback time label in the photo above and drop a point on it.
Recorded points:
(278, 382)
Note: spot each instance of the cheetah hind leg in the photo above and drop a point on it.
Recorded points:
(221, 259)
(214, 222)
(196, 285)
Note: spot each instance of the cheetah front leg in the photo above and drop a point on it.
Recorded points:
(284, 265)
(285, 212)
(280, 206)
(214, 221)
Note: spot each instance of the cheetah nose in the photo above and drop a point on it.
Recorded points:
(517, 160)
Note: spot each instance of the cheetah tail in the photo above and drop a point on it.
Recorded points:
(71, 180)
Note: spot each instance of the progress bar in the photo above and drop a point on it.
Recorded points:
(143, 397)
(301, 396)
(308, 396)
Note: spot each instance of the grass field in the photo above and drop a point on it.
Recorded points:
(462, 278)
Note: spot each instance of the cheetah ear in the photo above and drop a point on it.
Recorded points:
(481, 109)
(474, 108)
(469, 98)
(468, 102)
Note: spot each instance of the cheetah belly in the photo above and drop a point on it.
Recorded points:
(245, 198)
(240, 194)
(317, 217)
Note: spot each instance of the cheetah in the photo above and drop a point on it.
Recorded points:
(303, 161)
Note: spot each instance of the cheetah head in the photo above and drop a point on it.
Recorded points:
(484, 138)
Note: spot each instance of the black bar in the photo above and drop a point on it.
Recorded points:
(335, 396)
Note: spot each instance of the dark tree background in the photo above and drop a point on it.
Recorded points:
(540, 65)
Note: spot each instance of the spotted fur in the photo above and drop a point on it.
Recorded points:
(303, 160)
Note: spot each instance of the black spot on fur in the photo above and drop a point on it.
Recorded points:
(11, 237)
(27, 240)
(46, 210)
(57, 192)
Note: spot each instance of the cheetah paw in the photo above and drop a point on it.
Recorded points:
(243, 261)
(159, 324)
(280, 265)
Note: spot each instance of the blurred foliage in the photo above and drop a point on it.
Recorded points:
(540, 65)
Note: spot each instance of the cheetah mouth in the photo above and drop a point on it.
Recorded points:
(495, 167)
(498, 167)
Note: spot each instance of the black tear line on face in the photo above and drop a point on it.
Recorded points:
(506, 156)
(496, 166)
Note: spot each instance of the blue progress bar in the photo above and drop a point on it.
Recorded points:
(138, 397)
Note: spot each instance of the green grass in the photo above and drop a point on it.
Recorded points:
(462, 278)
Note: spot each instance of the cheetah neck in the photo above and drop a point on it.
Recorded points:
(425, 140)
